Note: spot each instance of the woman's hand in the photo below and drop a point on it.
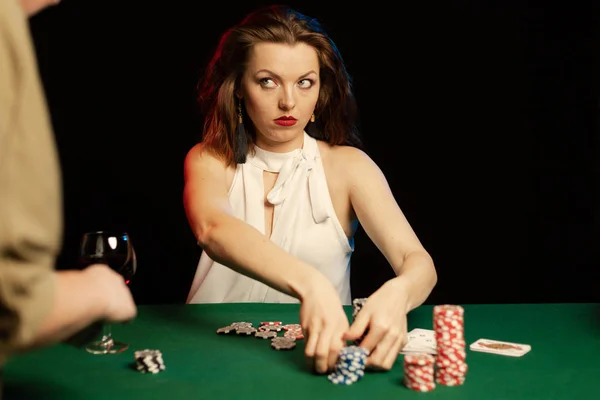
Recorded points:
(324, 323)
(383, 318)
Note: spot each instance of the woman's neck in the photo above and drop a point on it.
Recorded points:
(280, 147)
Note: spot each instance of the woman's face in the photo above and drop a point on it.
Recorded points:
(280, 88)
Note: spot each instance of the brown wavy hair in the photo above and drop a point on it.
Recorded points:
(336, 111)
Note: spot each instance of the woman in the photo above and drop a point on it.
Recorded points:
(276, 188)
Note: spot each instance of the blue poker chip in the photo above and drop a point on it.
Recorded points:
(341, 379)
(350, 367)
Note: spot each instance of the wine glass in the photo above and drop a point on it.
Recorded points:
(115, 250)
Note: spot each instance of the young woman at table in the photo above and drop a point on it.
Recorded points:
(276, 188)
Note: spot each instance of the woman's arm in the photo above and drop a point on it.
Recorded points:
(382, 320)
(231, 241)
(239, 246)
(386, 225)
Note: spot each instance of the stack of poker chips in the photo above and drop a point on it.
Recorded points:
(267, 330)
(357, 305)
(350, 366)
(451, 365)
(149, 361)
(283, 343)
(419, 372)
(293, 331)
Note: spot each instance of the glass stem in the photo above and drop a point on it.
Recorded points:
(107, 335)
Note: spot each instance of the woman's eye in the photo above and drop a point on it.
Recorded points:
(306, 83)
(267, 82)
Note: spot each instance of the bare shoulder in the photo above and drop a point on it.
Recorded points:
(200, 154)
(200, 159)
(346, 160)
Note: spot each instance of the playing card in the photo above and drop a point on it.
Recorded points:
(420, 341)
(498, 347)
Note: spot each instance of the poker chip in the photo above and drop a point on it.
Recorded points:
(237, 325)
(267, 330)
(422, 371)
(293, 331)
(149, 361)
(283, 343)
(419, 372)
(357, 305)
(294, 334)
(350, 366)
(265, 334)
(225, 330)
(270, 328)
(246, 330)
(451, 366)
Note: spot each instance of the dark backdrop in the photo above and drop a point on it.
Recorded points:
(492, 111)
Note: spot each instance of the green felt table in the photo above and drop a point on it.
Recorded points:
(563, 363)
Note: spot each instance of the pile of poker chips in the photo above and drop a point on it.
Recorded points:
(419, 372)
(267, 330)
(451, 366)
(422, 372)
(149, 361)
(293, 331)
(350, 366)
(357, 305)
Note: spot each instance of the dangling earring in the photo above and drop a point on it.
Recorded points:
(312, 129)
(241, 147)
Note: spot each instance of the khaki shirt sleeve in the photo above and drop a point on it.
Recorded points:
(30, 202)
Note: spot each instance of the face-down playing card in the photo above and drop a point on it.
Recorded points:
(420, 341)
(499, 347)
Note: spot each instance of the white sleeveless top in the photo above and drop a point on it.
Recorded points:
(304, 224)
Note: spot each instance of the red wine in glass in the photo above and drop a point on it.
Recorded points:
(115, 250)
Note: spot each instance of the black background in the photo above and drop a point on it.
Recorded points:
(484, 118)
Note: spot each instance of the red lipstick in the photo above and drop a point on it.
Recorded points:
(286, 121)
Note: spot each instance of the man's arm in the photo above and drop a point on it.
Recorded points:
(80, 299)
(38, 305)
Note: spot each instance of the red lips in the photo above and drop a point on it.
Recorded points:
(285, 118)
(286, 121)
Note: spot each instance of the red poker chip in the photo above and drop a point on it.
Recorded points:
(420, 379)
(296, 335)
(452, 354)
(420, 387)
(455, 343)
(418, 359)
(413, 383)
(291, 326)
(449, 381)
(447, 325)
(419, 372)
(448, 310)
(453, 370)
